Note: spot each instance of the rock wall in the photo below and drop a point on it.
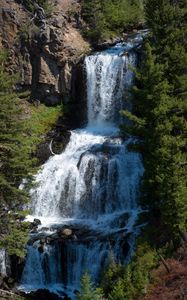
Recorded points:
(47, 52)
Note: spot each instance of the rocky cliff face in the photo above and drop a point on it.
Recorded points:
(48, 52)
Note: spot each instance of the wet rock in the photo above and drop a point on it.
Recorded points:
(65, 232)
(143, 218)
(59, 136)
(125, 247)
(34, 225)
(66, 298)
(41, 248)
(16, 267)
(34, 229)
(43, 152)
(37, 222)
(42, 241)
(107, 44)
(44, 294)
(76, 292)
(52, 100)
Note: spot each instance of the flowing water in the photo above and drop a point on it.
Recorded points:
(92, 187)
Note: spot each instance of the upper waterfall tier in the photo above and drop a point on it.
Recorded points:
(108, 81)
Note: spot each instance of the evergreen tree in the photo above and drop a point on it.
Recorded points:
(118, 291)
(111, 275)
(130, 282)
(15, 162)
(168, 28)
(159, 115)
(88, 292)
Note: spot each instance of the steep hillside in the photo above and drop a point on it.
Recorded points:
(44, 49)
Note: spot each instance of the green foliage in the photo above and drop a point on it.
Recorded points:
(111, 275)
(168, 30)
(159, 115)
(88, 292)
(15, 161)
(118, 292)
(130, 282)
(39, 121)
(15, 164)
(22, 128)
(29, 4)
(16, 238)
(108, 18)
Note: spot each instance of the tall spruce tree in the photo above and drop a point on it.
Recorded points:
(159, 114)
(15, 164)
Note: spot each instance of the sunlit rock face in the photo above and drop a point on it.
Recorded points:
(46, 51)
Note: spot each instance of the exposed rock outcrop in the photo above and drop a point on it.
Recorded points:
(47, 52)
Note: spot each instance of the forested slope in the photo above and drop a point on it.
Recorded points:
(158, 120)
(107, 19)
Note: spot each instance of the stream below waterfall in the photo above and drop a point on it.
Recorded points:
(90, 188)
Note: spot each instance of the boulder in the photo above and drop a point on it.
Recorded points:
(66, 232)
(37, 222)
(43, 294)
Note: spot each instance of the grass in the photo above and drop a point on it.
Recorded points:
(38, 121)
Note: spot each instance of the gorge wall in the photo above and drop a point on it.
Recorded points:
(46, 51)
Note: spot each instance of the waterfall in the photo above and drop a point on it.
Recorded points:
(108, 75)
(92, 187)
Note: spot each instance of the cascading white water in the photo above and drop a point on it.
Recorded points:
(94, 176)
(108, 77)
(92, 186)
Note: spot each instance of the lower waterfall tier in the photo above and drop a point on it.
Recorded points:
(95, 176)
(57, 262)
(94, 196)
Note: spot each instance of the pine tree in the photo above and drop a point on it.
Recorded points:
(168, 28)
(159, 115)
(15, 161)
(88, 292)
(118, 291)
